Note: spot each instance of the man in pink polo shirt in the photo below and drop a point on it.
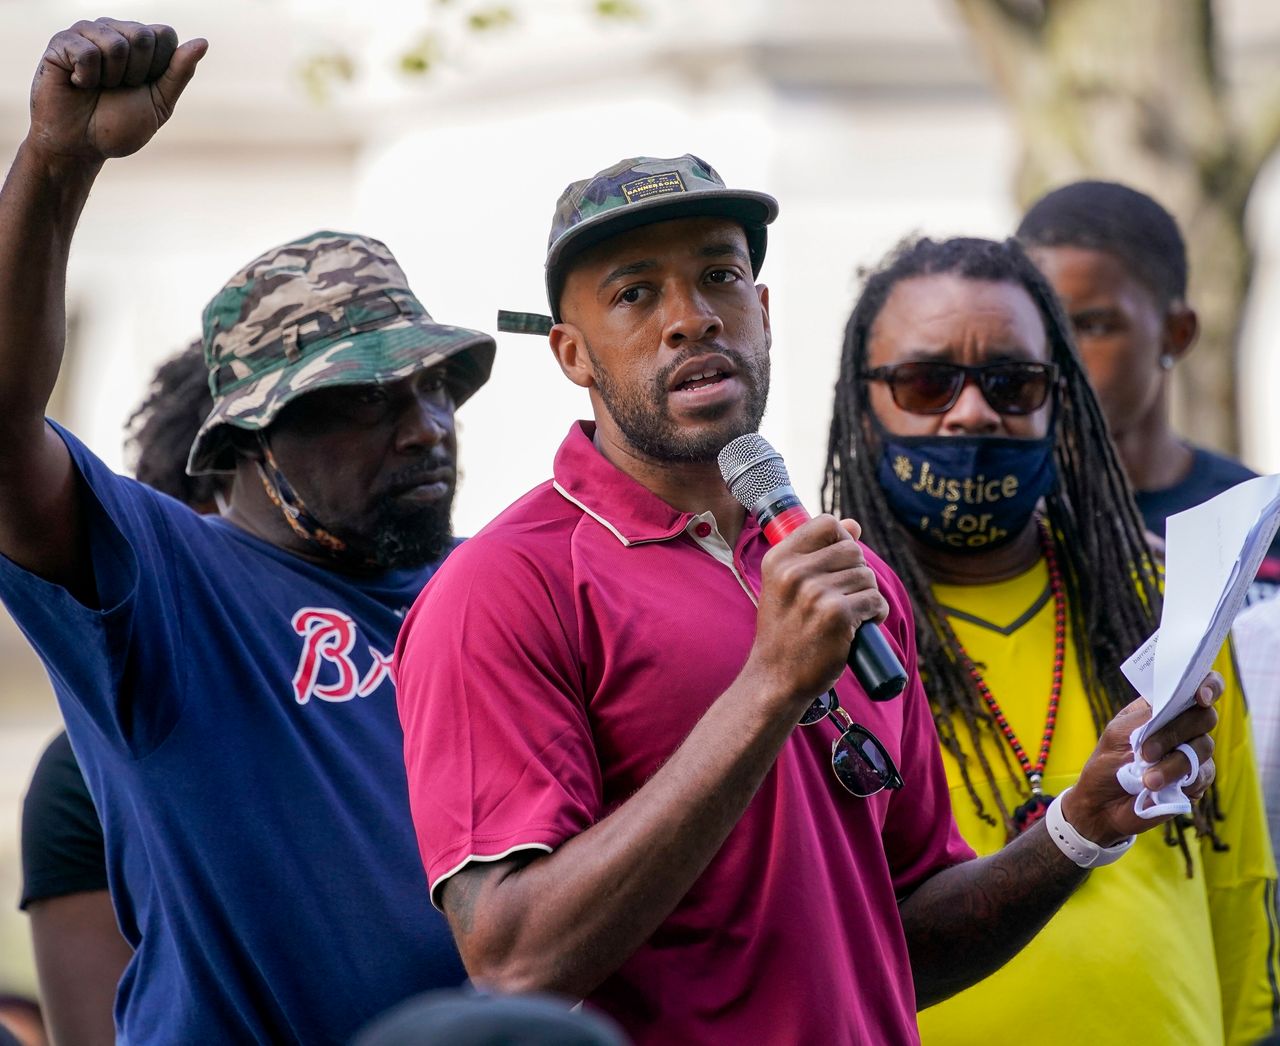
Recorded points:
(611, 796)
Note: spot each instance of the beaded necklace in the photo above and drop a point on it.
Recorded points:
(1037, 803)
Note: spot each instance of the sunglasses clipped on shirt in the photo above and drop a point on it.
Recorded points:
(858, 759)
(1013, 387)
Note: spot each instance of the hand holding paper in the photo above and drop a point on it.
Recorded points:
(1212, 552)
(1099, 808)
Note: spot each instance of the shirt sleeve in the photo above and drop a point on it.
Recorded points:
(1241, 879)
(62, 844)
(920, 833)
(498, 748)
(98, 655)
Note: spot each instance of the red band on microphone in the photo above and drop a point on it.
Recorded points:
(777, 523)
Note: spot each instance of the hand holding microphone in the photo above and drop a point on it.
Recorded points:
(757, 477)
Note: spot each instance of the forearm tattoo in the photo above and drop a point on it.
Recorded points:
(969, 920)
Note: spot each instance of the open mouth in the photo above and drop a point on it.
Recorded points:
(705, 372)
(701, 380)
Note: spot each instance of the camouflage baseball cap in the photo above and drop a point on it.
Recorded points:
(639, 191)
(329, 309)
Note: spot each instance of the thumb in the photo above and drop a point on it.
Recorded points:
(182, 67)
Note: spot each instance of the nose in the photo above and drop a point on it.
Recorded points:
(423, 423)
(971, 415)
(689, 317)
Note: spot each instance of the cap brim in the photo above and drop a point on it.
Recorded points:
(366, 358)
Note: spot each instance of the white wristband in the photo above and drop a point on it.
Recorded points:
(1084, 853)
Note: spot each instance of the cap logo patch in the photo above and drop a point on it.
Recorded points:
(653, 185)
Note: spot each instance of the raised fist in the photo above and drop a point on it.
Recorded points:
(104, 88)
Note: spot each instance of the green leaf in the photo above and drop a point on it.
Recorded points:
(419, 59)
(491, 18)
(620, 9)
(320, 72)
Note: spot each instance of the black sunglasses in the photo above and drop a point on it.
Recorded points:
(858, 759)
(932, 387)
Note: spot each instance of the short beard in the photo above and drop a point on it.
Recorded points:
(397, 537)
(643, 418)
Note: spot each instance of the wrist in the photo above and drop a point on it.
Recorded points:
(1076, 813)
(775, 694)
(58, 165)
(1077, 846)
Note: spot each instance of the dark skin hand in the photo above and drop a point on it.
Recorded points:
(102, 90)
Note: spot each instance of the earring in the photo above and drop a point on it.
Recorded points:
(1166, 362)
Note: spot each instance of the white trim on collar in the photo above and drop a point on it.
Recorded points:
(594, 515)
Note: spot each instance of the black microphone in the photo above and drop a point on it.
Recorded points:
(756, 476)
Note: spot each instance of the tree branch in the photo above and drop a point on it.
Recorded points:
(1008, 33)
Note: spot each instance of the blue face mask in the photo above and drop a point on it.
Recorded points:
(965, 493)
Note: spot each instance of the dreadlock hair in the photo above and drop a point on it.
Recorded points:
(1109, 574)
(160, 432)
(1108, 216)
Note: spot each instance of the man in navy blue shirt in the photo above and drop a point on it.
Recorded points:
(1118, 262)
(225, 680)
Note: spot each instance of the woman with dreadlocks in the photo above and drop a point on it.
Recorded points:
(968, 444)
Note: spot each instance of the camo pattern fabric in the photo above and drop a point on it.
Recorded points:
(630, 181)
(329, 309)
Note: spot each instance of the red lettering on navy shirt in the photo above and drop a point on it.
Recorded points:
(328, 637)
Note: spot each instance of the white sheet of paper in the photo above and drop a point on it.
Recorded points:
(1212, 552)
(1140, 667)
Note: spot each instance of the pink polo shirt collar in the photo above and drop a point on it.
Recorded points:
(629, 510)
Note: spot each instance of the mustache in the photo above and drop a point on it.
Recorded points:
(433, 470)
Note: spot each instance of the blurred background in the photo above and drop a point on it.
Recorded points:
(448, 128)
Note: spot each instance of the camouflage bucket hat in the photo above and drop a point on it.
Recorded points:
(329, 309)
(639, 191)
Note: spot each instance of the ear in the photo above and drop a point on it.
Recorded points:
(1181, 328)
(763, 293)
(570, 350)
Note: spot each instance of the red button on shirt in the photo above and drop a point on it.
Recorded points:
(703, 530)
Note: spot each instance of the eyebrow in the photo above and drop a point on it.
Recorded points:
(719, 250)
(710, 250)
(630, 269)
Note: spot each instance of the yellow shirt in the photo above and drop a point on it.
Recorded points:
(1140, 953)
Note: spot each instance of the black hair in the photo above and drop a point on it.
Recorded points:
(1107, 216)
(160, 432)
(1110, 577)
